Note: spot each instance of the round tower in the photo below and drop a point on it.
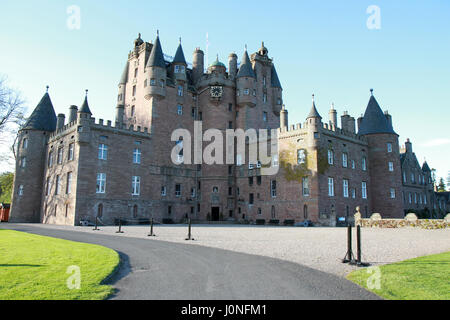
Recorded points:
(232, 65)
(156, 73)
(284, 120)
(30, 163)
(333, 118)
(313, 125)
(385, 190)
(73, 110)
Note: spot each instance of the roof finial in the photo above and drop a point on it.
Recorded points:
(47, 87)
(157, 33)
(180, 40)
(371, 92)
(313, 97)
(332, 106)
(87, 92)
(139, 35)
(245, 47)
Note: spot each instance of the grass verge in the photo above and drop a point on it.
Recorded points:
(34, 267)
(425, 278)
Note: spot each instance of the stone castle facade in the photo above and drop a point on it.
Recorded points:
(84, 168)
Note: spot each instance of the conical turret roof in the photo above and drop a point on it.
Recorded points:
(375, 120)
(179, 55)
(43, 117)
(246, 69)
(156, 56)
(275, 81)
(314, 113)
(124, 77)
(85, 106)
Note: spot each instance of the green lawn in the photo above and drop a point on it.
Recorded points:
(35, 268)
(425, 278)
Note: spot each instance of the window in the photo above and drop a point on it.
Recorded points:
(200, 116)
(264, 81)
(389, 147)
(193, 113)
(137, 156)
(161, 83)
(305, 186)
(415, 198)
(239, 160)
(251, 199)
(48, 186)
(215, 190)
(273, 213)
(265, 97)
(179, 69)
(238, 93)
(69, 183)
(230, 124)
(246, 92)
(301, 156)
(23, 162)
(230, 170)
(364, 164)
(354, 193)
(180, 156)
(101, 182)
(250, 181)
(230, 107)
(20, 190)
(136, 186)
(135, 72)
(391, 166)
(50, 159)
(345, 188)
(145, 83)
(153, 82)
(180, 110)
(278, 101)
(71, 152)
(230, 191)
(404, 177)
(180, 91)
(58, 185)
(259, 211)
(305, 212)
(410, 197)
(193, 193)
(135, 211)
(273, 188)
(275, 162)
(163, 191)
(254, 92)
(60, 155)
(330, 157)
(103, 151)
(425, 199)
(364, 190)
(413, 178)
(331, 187)
(353, 164)
(178, 190)
(345, 160)
(25, 143)
(132, 112)
(169, 210)
(134, 91)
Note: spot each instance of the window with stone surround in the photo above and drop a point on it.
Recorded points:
(137, 156)
(180, 91)
(178, 190)
(20, 192)
(136, 186)
(391, 166)
(330, 157)
(25, 143)
(345, 160)
(305, 186)
(331, 187)
(364, 164)
(23, 162)
(180, 110)
(364, 190)
(345, 188)
(301, 156)
(273, 188)
(69, 183)
(102, 151)
(60, 155)
(58, 185)
(70, 154)
(101, 183)
(163, 191)
(389, 147)
(50, 159)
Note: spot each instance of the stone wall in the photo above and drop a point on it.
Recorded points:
(411, 220)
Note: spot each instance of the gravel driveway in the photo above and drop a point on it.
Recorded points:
(318, 248)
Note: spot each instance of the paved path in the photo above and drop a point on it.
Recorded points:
(158, 270)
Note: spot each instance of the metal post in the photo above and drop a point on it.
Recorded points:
(349, 258)
(189, 231)
(120, 226)
(359, 263)
(151, 234)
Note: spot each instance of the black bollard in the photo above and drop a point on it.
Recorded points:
(120, 226)
(96, 224)
(151, 234)
(189, 238)
(359, 263)
(349, 258)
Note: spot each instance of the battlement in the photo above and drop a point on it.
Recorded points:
(342, 133)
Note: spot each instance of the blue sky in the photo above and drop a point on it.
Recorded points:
(321, 47)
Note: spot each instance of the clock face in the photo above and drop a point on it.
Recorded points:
(216, 92)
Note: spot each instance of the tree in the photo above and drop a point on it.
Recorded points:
(6, 185)
(12, 117)
(441, 186)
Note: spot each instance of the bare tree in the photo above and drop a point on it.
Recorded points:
(12, 116)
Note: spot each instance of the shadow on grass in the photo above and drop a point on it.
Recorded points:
(19, 265)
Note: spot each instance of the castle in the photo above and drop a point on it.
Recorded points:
(73, 171)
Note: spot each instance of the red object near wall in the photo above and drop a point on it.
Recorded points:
(4, 212)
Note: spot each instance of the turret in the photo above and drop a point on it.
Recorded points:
(313, 124)
(85, 111)
(232, 65)
(246, 80)
(73, 110)
(284, 120)
(277, 90)
(198, 65)
(333, 117)
(179, 65)
(385, 185)
(156, 73)
(30, 163)
(408, 146)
